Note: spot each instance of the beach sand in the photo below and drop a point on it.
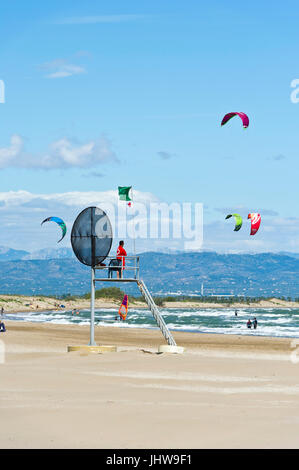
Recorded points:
(225, 391)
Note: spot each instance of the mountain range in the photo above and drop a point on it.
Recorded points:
(58, 272)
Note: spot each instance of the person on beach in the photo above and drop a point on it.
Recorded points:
(255, 323)
(249, 324)
(2, 327)
(120, 256)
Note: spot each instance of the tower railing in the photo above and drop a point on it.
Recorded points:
(127, 273)
(118, 269)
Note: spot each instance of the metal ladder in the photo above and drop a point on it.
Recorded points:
(156, 314)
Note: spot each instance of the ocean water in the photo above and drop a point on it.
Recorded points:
(271, 322)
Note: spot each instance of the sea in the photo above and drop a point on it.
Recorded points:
(271, 322)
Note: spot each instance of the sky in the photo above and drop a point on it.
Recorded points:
(100, 94)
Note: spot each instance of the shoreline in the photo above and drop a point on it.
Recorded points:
(153, 328)
(19, 304)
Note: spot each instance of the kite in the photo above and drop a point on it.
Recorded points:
(255, 222)
(243, 116)
(123, 309)
(238, 220)
(59, 222)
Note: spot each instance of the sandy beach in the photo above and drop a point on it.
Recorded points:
(225, 391)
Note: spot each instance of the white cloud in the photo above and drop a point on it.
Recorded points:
(21, 213)
(62, 153)
(244, 211)
(75, 199)
(7, 154)
(61, 68)
(275, 234)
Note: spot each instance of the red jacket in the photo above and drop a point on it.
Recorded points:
(120, 254)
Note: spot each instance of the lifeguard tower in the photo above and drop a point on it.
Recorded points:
(91, 240)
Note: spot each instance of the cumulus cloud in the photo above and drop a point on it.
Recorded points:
(21, 214)
(244, 211)
(61, 68)
(12, 152)
(62, 153)
(275, 234)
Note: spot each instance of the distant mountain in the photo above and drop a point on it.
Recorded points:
(33, 277)
(289, 253)
(51, 253)
(262, 274)
(265, 274)
(9, 254)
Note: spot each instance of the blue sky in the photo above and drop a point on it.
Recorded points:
(101, 94)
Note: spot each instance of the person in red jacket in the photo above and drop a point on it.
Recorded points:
(120, 256)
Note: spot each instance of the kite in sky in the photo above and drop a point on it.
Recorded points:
(238, 221)
(59, 222)
(255, 222)
(243, 116)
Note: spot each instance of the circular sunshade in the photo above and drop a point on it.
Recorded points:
(91, 236)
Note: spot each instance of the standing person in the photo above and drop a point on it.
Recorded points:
(2, 325)
(255, 323)
(120, 256)
(249, 324)
(236, 313)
